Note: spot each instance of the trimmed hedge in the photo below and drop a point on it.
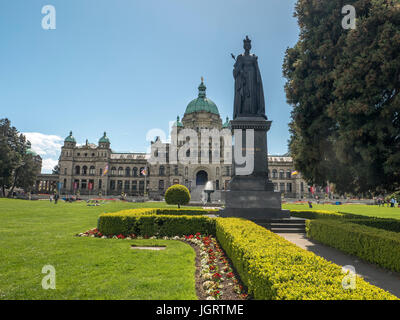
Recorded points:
(273, 268)
(374, 245)
(177, 194)
(148, 223)
(374, 222)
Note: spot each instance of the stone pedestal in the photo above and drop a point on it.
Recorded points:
(252, 196)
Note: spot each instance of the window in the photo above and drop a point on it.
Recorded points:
(186, 171)
(127, 172)
(228, 171)
(100, 184)
(134, 172)
(161, 171)
(83, 184)
(113, 171)
(141, 185)
(216, 184)
(127, 185)
(112, 184)
(101, 171)
(274, 174)
(288, 187)
(282, 187)
(301, 186)
(176, 171)
(92, 171)
(119, 185)
(134, 185)
(65, 184)
(84, 170)
(275, 186)
(161, 185)
(281, 174)
(288, 174)
(77, 170)
(120, 171)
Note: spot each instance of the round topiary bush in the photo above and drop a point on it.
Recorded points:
(177, 194)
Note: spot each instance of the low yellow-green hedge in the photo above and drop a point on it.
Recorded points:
(273, 268)
(374, 245)
(146, 222)
(316, 214)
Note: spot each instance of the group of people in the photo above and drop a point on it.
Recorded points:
(389, 202)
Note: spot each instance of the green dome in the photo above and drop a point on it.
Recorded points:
(202, 103)
(70, 138)
(104, 139)
(33, 153)
(226, 124)
(178, 123)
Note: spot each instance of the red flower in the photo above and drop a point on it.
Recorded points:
(230, 275)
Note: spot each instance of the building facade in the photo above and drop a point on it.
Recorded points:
(92, 169)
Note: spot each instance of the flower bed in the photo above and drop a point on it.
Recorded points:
(215, 277)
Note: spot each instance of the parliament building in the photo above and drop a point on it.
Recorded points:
(95, 169)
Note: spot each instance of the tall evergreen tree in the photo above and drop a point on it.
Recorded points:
(324, 139)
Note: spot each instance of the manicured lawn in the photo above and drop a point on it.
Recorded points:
(366, 210)
(37, 233)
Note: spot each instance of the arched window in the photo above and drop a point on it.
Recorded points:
(161, 171)
(84, 170)
(281, 174)
(274, 174)
(127, 172)
(288, 174)
(120, 172)
(113, 171)
(78, 170)
(134, 172)
(92, 170)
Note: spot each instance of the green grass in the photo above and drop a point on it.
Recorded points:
(365, 210)
(37, 233)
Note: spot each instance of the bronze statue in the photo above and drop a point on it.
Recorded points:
(249, 94)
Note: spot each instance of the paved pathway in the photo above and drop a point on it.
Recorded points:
(387, 280)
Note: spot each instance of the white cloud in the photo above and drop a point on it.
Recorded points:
(47, 146)
(48, 165)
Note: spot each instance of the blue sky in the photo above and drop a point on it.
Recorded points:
(129, 66)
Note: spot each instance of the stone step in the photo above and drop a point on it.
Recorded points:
(285, 226)
(288, 231)
(288, 221)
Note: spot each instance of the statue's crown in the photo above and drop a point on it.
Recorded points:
(247, 40)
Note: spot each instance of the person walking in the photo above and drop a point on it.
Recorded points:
(56, 196)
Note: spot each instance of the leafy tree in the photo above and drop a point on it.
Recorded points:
(18, 168)
(177, 194)
(333, 80)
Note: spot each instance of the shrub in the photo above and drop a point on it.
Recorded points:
(371, 244)
(316, 214)
(148, 223)
(379, 223)
(273, 268)
(177, 194)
